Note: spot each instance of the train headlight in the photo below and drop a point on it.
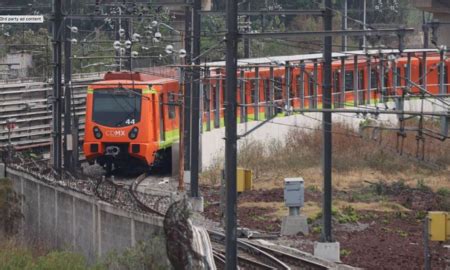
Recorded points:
(133, 133)
(97, 133)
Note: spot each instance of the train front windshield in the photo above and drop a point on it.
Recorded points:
(117, 107)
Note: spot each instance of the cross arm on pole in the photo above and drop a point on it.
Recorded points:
(335, 33)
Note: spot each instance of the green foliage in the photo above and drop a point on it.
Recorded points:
(15, 259)
(443, 191)
(348, 215)
(61, 260)
(18, 259)
(316, 229)
(402, 233)
(421, 214)
(422, 186)
(345, 252)
(145, 255)
(10, 213)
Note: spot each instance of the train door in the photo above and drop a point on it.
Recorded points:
(336, 89)
(361, 85)
(445, 88)
(162, 127)
(155, 116)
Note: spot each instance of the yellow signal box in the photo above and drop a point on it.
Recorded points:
(244, 180)
(439, 226)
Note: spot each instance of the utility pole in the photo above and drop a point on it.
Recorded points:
(344, 14)
(57, 86)
(69, 163)
(247, 24)
(365, 24)
(327, 125)
(231, 134)
(187, 95)
(196, 97)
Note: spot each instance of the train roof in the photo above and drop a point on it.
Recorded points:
(137, 78)
(310, 57)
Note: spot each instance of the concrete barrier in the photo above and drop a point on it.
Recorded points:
(59, 218)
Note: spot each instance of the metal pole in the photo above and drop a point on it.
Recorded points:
(208, 99)
(343, 95)
(242, 97)
(273, 111)
(187, 95)
(181, 146)
(117, 37)
(68, 139)
(231, 135)
(217, 96)
(256, 89)
(287, 79)
(57, 85)
(302, 84)
(326, 119)
(316, 86)
(344, 24)
(364, 26)
(247, 40)
(426, 245)
(355, 81)
(369, 78)
(195, 113)
(381, 79)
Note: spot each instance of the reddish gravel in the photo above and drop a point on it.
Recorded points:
(390, 241)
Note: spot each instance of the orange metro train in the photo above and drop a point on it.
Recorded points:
(133, 118)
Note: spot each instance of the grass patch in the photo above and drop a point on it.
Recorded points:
(145, 255)
(355, 159)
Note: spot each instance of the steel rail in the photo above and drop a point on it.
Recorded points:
(264, 256)
(139, 203)
(304, 263)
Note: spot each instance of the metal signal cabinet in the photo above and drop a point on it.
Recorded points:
(294, 192)
(244, 180)
(439, 226)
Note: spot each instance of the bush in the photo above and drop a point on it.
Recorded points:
(443, 192)
(13, 258)
(10, 213)
(145, 255)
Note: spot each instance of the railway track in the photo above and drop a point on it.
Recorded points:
(250, 254)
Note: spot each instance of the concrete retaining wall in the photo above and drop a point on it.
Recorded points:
(65, 219)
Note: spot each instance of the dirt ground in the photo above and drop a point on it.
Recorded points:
(378, 224)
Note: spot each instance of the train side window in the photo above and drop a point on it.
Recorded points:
(374, 79)
(266, 84)
(299, 83)
(171, 105)
(224, 89)
(361, 84)
(311, 84)
(445, 76)
(399, 77)
(252, 91)
(278, 88)
(420, 73)
(336, 82)
(349, 80)
(386, 79)
(206, 99)
(213, 96)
